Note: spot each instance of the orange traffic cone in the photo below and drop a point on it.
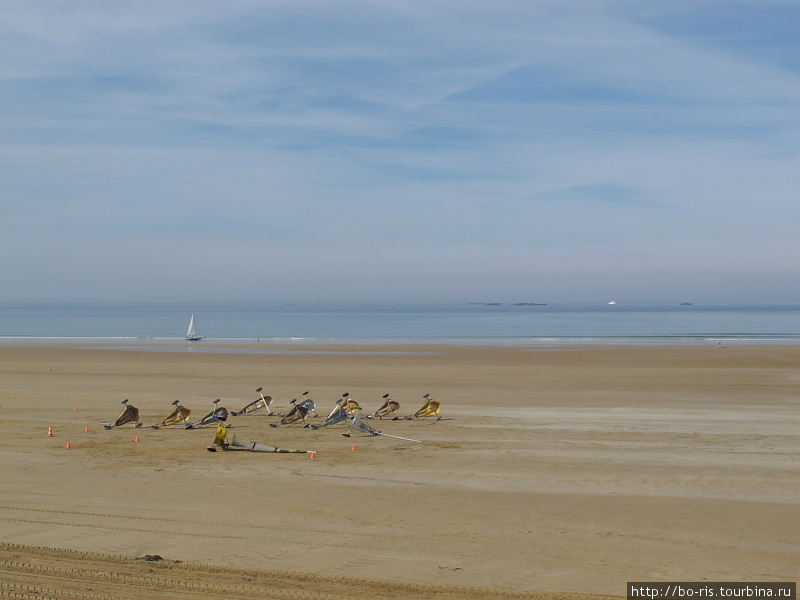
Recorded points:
(353, 448)
(137, 439)
(49, 432)
(74, 410)
(313, 455)
(87, 428)
(68, 446)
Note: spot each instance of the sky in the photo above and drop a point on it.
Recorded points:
(400, 152)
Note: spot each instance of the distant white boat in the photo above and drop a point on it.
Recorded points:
(191, 334)
(613, 302)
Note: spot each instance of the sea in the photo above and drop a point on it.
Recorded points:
(478, 323)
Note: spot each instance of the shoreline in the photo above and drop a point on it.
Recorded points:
(173, 344)
(573, 471)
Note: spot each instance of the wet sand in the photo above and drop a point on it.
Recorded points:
(571, 469)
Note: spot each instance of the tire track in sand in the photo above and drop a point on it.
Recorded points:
(28, 573)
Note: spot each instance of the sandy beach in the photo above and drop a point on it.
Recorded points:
(553, 472)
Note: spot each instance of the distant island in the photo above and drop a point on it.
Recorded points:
(501, 304)
(529, 304)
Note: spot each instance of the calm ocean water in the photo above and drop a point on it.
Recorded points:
(498, 324)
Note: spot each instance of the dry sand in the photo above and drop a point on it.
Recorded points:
(554, 470)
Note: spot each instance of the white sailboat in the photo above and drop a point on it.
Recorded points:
(191, 334)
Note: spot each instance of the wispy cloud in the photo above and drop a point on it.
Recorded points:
(607, 194)
(382, 139)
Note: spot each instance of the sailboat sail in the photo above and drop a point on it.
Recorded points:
(191, 334)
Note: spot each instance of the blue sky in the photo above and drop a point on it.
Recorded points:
(373, 151)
